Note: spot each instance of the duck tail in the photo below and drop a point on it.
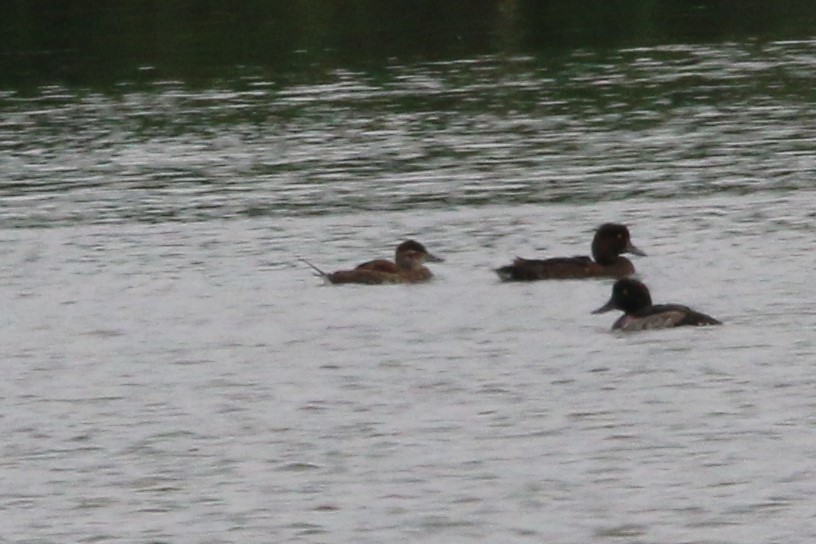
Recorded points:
(320, 273)
(505, 273)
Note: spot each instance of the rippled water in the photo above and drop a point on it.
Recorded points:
(174, 374)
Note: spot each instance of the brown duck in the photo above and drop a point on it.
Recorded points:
(408, 266)
(610, 241)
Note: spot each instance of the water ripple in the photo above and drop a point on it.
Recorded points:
(647, 122)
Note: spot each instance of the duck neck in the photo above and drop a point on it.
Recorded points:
(602, 255)
(408, 262)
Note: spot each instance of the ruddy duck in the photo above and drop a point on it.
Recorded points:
(633, 298)
(407, 267)
(611, 239)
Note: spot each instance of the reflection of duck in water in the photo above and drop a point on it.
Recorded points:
(633, 298)
(407, 267)
(611, 239)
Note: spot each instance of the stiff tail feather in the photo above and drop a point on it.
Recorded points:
(505, 273)
(320, 273)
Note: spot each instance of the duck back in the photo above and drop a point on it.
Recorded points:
(662, 316)
(379, 265)
(551, 269)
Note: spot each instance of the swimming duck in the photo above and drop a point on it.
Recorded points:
(611, 239)
(407, 267)
(633, 298)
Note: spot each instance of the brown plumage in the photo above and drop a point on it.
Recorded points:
(610, 241)
(407, 267)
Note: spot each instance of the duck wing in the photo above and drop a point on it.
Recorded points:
(364, 276)
(379, 265)
(547, 269)
(673, 315)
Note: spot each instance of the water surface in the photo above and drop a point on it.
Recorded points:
(174, 373)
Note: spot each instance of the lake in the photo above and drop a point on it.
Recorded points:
(174, 373)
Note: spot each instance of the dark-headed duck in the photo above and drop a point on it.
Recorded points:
(632, 297)
(610, 241)
(407, 267)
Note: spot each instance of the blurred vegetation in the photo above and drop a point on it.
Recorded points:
(91, 43)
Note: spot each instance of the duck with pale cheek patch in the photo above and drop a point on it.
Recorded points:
(633, 299)
(609, 242)
(408, 266)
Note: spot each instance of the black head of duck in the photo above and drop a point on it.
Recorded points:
(632, 297)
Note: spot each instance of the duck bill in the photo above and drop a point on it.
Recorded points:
(608, 307)
(431, 258)
(631, 248)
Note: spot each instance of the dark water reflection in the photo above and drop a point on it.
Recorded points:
(203, 42)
